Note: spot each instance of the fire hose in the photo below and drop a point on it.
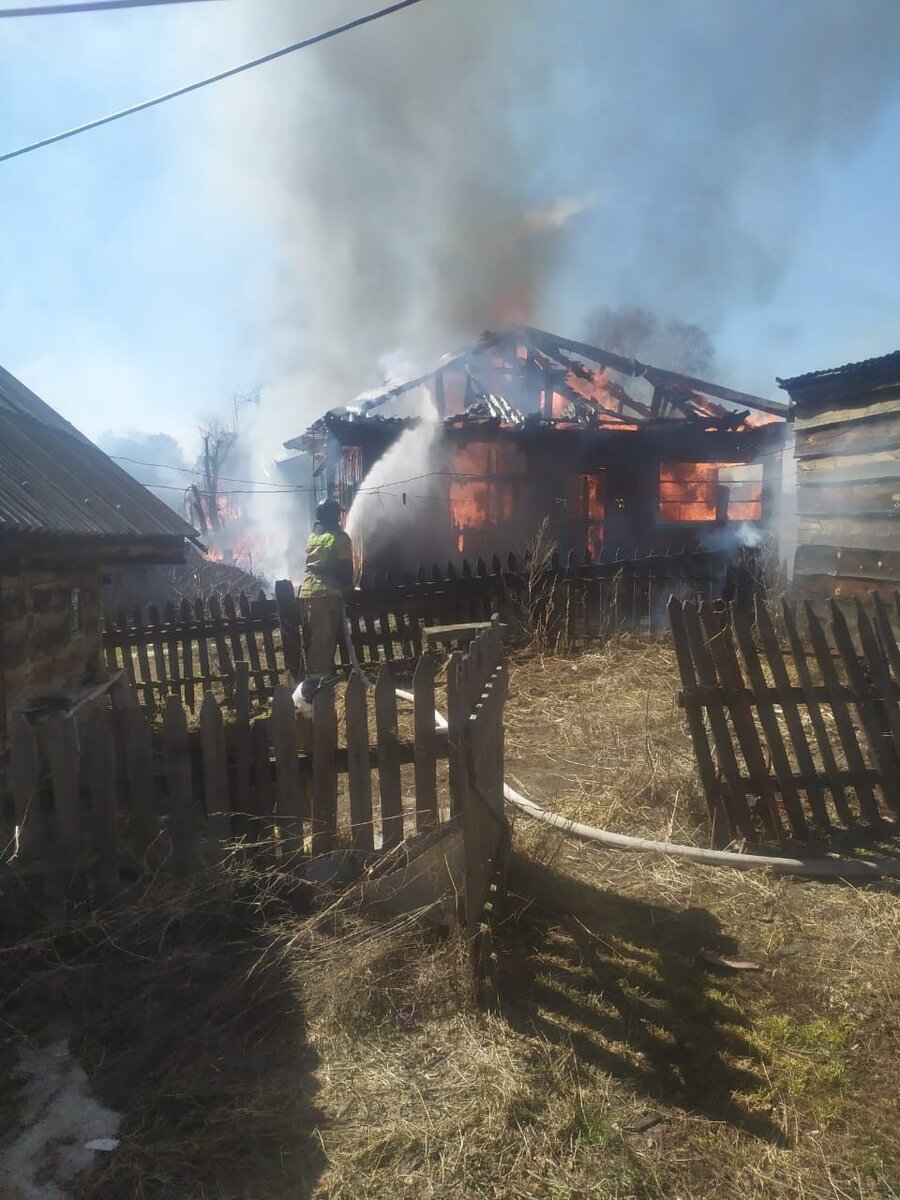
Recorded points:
(839, 868)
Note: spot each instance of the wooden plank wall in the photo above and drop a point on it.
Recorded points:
(194, 646)
(847, 446)
(794, 738)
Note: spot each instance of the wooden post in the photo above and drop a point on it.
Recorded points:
(178, 776)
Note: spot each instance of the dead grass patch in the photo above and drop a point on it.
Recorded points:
(262, 1051)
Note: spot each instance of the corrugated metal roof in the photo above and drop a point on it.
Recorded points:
(885, 363)
(54, 481)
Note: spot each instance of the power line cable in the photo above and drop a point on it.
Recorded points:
(202, 83)
(84, 6)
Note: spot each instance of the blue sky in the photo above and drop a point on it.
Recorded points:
(138, 275)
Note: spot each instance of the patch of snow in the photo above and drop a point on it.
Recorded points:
(61, 1125)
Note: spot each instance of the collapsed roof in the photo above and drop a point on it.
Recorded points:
(525, 377)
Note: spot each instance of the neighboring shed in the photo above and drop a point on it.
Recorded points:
(847, 431)
(67, 515)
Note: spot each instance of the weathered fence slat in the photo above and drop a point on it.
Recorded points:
(263, 791)
(721, 643)
(242, 804)
(187, 655)
(172, 645)
(738, 807)
(124, 633)
(389, 780)
(792, 716)
(823, 740)
(865, 705)
(23, 783)
(358, 766)
(202, 643)
(140, 643)
(288, 608)
(283, 730)
(226, 666)
(98, 761)
(159, 654)
(234, 636)
(252, 646)
(138, 754)
(268, 639)
(215, 769)
(769, 721)
(425, 751)
(842, 718)
(719, 833)
(178, 778)
(324, 801)
(887, 636)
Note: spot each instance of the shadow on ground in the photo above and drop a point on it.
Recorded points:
(622, 982)
(185, 1016)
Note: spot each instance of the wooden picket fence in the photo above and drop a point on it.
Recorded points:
(186, 649)
(100, 796)
(797, 736)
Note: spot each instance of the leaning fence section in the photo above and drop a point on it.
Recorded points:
(95, 799)
(189, 648)
(794, 733)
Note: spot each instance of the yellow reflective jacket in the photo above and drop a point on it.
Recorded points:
(325, 552)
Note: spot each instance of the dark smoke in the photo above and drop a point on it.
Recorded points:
(463, 163)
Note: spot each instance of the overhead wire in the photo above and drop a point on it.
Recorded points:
(334, 32)
(85, 6)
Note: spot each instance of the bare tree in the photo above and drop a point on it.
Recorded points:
(203, 499)
(635, 332)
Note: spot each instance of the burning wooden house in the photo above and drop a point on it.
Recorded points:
(68, 515)
(526, 427)
(847, 446)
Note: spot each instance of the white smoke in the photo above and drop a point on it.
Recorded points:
(400, 495)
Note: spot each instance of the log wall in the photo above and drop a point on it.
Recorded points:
(847, 446)
(40, 650)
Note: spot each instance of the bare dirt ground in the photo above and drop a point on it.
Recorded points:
(257, 1052)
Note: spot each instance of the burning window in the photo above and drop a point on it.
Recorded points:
(484, 489)
(710, 492)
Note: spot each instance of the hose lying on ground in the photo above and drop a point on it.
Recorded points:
(840, 868)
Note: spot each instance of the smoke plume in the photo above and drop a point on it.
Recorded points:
(464, 164)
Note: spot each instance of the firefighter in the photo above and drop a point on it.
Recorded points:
(329, 580)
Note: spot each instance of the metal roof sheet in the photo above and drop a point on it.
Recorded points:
(885, 364)
(54, 481)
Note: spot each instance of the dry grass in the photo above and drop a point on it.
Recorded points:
(600, 738)
(272, 1053)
